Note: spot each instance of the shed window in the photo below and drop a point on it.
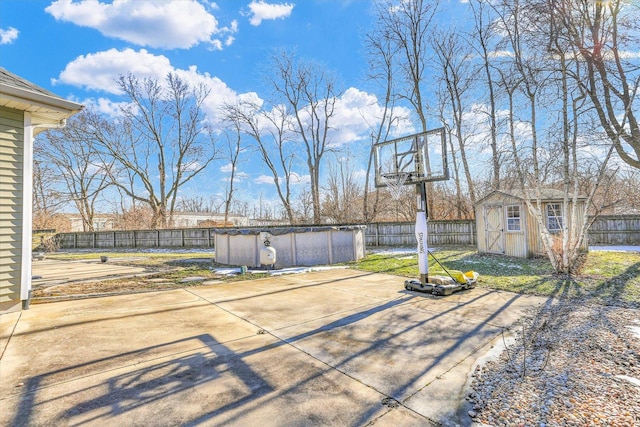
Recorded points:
(554, 216)
(513, 218)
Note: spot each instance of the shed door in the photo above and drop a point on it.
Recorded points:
(494, 229)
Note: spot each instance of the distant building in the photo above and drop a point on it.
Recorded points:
(101, 222)
(207, 219)
(107, 222)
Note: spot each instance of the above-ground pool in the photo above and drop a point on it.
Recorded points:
(294, 246)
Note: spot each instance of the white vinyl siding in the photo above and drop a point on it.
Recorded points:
(11, 215)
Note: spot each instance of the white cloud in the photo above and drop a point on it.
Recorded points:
(100, 71)
(226, 168)
(238, 177)
(261, 10)
(107, 106)
(166, 24)
(264, 179)
(629, 54)
(8, 36)
(299, 179)
(356, 112)
(295, 179)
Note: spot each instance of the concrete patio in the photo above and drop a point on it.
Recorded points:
(337, 347)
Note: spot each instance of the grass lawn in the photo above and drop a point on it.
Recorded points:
(608, 277)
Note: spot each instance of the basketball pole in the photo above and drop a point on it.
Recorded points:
(421, 230)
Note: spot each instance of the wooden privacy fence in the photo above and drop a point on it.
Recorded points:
(377, 234)
(606, 230)
(615, 230)
(456, 232)
(171, 238)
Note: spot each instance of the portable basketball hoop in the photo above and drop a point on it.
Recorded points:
(418, 159)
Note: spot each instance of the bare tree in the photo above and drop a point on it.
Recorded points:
(541, 77)
(232, 154)
(382, 52)
(310, 92)
(304, 207)
(159, 143)
(200, 204)
(482, 37)
(453, 59)
(271, 132)
(407, 25)
(343, 194)
(73, 152)
(47, 197)
(602, 34)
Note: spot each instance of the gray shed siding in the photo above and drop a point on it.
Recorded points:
(11, 189)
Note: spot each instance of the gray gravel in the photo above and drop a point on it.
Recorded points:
(579, 366)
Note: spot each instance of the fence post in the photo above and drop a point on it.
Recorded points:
(472, 233)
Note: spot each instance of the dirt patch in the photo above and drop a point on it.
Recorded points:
(57, 279)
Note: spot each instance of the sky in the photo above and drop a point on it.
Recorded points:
(78, 48)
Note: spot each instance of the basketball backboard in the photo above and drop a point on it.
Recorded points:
(421, 157)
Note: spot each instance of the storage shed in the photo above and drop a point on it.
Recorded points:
(505, 225)
(25, 110)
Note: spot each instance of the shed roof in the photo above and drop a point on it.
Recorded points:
(546, 194)
(46, 107)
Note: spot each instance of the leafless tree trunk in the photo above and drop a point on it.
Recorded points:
(234, 148)
(407, 25)
(73, 152)
(47, 199)
(543, 76)
(159, 142)
(343, 194)
(382, 53)
(482, 35)
(602, 35)
(453, 62)
(304, 211)
(310, 92)
(271, 130)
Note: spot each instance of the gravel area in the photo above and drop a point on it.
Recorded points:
(579, 366)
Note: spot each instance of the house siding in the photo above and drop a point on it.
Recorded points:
(11, 193)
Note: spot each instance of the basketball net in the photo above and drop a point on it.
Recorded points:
(394, 183)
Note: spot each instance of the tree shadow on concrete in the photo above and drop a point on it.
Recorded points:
(125, 392)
